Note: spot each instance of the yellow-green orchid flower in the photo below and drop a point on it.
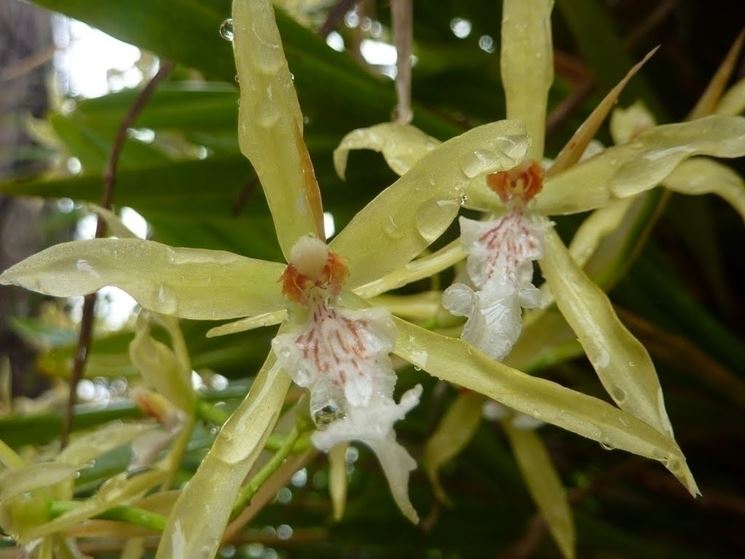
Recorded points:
(321, 294)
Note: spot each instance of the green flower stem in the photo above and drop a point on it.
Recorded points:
(211, 413)
(123, 513)
(250, 489)
(177, 451)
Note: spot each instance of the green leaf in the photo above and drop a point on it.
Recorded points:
(628, 169)
(419, 206)
(221, 472)
(544, 484)
(458, 362)
(189, 283)
(527, 65)
(270, 128)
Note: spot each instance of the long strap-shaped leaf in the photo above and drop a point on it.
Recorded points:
(458, 362)
(527, 65)
(270, 129)
(184, 282)
(415, 210)
(214, 486)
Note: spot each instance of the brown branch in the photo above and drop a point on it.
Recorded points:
(576, 73)
(656, 17)
(244, 195)
(109, 181)
(336, 14)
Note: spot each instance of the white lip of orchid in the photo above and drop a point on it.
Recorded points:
(500, 264)
(342, 356)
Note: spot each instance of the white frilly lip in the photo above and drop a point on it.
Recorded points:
(501, 275)
(372, 425)
(342, 357)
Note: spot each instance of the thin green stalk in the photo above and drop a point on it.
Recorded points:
(250, 489)
(177, 451)
(123, 513)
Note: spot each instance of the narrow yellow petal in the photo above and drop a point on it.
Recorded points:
(620, 360)
(709, 100)
(402, 145)
(544, 484)
(452, 435)
(249, 323)
(458, 362)
(270, 129)
(185, 282)
(703, 176)
(527, 65)
(573, 150)
(733, 101)
(410, 214)
(628, 169)
(338, 479)
(216, 482)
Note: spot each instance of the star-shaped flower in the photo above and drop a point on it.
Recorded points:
(331, 340)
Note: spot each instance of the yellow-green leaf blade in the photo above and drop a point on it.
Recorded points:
(189, 283)
(270, 130)
(625, 170)
(456, 361)
(527, 65)
(216, 483)
(402, 145)
(544, 484)
(703, 176)
(418, 207)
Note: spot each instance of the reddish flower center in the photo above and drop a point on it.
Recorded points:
(519, 184)
(297, 285)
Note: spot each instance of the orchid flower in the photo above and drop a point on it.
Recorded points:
(332, 340)
(501, 250)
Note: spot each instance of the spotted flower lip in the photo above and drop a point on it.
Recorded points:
(341, 356)
(499, 267)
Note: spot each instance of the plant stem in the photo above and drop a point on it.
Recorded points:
(123, 513)
(250, 489)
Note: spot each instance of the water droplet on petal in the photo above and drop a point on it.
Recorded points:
(392, 229)
(165, 299)
(618, 394)
(326, 415)
(477, 162)
(226, 29)
(434, 216)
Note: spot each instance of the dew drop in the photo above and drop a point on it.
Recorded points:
(327, 414)
(606, 444)
(433, 217)
(165, 299)
(618, 394)
(462, 198)
(226, 29)
(477, 162)
(266, 113)
(392, 229)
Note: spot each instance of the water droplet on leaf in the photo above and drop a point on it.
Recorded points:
(226, 29)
